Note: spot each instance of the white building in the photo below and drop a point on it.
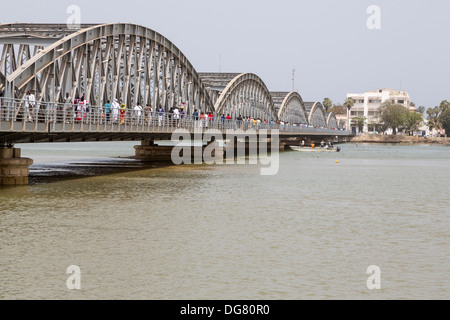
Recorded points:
(368, 104)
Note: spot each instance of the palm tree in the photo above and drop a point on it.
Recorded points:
(349, 103)
(327, 104)
(433, 118)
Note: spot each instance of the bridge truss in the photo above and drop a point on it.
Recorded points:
(134, 65)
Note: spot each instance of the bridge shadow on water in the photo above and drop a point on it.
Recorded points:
(44, 173)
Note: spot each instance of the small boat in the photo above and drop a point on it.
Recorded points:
(310, 149)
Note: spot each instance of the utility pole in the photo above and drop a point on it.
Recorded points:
(293, 80)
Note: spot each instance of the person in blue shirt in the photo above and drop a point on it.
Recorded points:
(195, 115)
(160, 115)
(107, 111)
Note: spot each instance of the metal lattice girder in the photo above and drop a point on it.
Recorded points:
(292, 109)
(129, 62)
(332, 122)
(316, 114)
(247, 96)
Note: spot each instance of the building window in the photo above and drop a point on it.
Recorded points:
(401, 101)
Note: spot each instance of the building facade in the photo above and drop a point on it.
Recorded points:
(368, 105)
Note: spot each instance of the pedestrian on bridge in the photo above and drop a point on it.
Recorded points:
(123, 111)
(160, 115)
(138, 113)
(67, 108)
(202, 119)
(34, 109)
(115, 111)
(148, 114)
(107, 111)
(176, 116)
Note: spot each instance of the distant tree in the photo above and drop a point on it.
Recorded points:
(434, 121)
(444, 105)
(359, 122)
(393, 116)
(327, 104)
(412, 122)
(445, 121)
(338, 109)
(380, 127)
(421, 110)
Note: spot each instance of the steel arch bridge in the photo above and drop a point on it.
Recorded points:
(135, 65)
(127, 62)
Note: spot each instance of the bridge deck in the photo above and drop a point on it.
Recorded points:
(59, 123)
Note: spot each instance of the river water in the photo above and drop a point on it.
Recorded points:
(226, 232)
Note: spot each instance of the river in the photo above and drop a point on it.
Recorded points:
(226, 232)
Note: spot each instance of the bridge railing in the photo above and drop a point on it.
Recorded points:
(26, 115)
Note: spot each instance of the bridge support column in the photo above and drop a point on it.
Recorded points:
(149, 151)
(14, 170)
(238, 147)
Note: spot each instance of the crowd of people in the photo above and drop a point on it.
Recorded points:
(80, 111)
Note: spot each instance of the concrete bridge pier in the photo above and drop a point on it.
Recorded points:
(150, 151)
(14, 170)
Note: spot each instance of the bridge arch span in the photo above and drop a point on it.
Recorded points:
(332, 122)
(316, 114)
(293, 110)
(247, 96)
(129, 62)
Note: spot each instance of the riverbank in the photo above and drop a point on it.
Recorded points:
(374, 138)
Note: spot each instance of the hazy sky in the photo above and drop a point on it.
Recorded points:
(326, 41)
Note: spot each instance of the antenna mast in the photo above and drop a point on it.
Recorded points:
(293, 80)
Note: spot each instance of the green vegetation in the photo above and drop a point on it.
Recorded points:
(398, 117)
(349, 103)
(338, 109)
(438, 117)
(359, 122)
(445, 120)
(327, 104)
(412, 122)
(421, 110)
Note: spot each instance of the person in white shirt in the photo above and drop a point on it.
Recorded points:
(34, 109)
(115, 110)
(176, 116)
(138, 113)
(27, 107)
